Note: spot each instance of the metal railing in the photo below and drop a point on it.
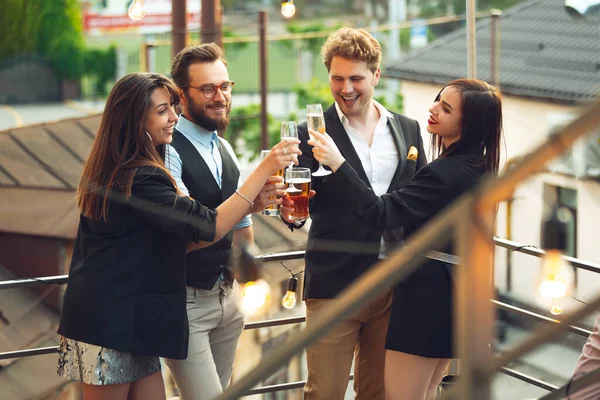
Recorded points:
(470, 221)
(294, 255)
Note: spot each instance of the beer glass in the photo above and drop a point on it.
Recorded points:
(298, 188)
(316, 121)
(273, 209)
(289, 130)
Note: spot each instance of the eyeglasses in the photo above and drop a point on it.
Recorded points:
(209, 90)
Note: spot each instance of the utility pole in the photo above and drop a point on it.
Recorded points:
(178, 26)
(263, 18)
(396, 14)
(210, 22)
(495, 47)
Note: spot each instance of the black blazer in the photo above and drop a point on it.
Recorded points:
(341, 246)
(432, 188)
(422, 313)
(126, 287)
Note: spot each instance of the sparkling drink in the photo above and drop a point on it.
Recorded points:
(316, 122)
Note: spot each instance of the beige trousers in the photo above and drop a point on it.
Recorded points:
(362, 337)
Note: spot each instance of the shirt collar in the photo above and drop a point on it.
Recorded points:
(382, 112)
(196, 132)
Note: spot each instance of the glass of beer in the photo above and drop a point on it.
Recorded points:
(289, 130)
(298, 188)
(316, 121)
(273, 209)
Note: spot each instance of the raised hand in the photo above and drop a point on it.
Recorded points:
(269, 194)
(325, 150)
(281, 155)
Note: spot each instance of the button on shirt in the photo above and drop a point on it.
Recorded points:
(206, 143)
(379, 160)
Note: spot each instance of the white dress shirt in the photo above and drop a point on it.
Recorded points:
(379, 160)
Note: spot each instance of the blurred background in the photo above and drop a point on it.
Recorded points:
(60, 58)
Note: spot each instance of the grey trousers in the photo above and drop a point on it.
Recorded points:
(216, 324)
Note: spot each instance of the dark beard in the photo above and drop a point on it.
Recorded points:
(199, 117)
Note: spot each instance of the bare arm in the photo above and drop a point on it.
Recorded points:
(236, 206)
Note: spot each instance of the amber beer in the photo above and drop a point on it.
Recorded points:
(298, 189)
(273, 209)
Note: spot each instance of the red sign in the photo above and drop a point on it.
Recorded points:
(107, 22)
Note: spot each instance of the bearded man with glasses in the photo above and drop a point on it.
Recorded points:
(205, 167)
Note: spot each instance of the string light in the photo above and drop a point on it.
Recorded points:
(289, 300)
(288, 9)
(556, 275)
(255, 296)
(136, 10)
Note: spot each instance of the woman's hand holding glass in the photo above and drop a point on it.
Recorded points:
(325, 150)
(282, 155)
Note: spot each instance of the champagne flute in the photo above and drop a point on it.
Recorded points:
(316, 121)
(289, 130)
(273, 209)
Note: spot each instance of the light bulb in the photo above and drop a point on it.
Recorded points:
(255, 295)
(556, 307)
(556, 276)
(289, 300)
(136, 10)
(288, 9)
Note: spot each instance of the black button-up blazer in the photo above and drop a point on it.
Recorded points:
(126, 288)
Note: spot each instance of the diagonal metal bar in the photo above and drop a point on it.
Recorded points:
(529, 314)
(574, 386)
(528, 379)
(542, 335)
(378, 279)
(281, 386)
(518, 247)
(502, 188)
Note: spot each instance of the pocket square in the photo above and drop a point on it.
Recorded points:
(413, 153)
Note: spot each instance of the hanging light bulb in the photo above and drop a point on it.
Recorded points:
(556, 308)
(289, 300)
(255, 295)
(288, 9)
(557, 275)
(136, 10)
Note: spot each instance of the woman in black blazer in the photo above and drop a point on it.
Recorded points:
(466, 127)
(124, 305)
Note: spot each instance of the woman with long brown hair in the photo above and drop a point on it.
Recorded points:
(124, 305)
(465, 124)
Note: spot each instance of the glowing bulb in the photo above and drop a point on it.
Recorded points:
(136, 10)
(556, 308)
(255, 295)
(556, 276)
(289, 300)
(288, 9)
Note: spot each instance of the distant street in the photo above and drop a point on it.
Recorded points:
(15, 116)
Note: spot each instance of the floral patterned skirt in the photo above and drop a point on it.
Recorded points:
(97, 365)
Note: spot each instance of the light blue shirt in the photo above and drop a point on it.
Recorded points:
(205, 142)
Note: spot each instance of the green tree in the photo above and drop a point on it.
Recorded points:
(313, 92)
(51, 29)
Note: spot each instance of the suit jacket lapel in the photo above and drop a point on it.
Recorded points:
(400, 141)
(336, 130)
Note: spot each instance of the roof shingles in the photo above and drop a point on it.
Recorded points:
(543, 53)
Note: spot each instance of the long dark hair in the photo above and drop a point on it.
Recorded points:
(122, 145)
(481, 123)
